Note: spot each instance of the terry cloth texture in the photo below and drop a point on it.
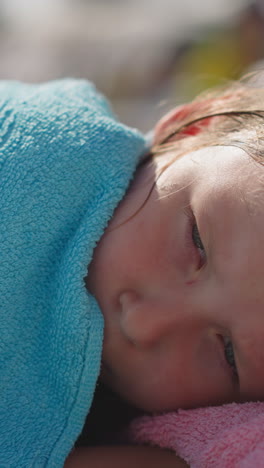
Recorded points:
(65, 163)
(227, 436)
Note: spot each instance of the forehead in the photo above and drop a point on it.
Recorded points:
(215, 175)
(231, 173)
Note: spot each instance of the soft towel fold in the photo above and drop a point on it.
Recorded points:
(228, 436)
(65, 163)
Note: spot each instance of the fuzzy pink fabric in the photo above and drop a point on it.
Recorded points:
(228, 436)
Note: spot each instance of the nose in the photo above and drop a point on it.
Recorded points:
(147, 322)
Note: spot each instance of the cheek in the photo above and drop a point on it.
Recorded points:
(155, 390)
(133, 246)
(157, 379)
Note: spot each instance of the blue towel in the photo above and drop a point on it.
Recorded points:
(65, 163)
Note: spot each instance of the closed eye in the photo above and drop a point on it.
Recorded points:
(198, 243)
(230, 356)
(196, 237)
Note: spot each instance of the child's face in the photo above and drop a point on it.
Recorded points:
(169, 304)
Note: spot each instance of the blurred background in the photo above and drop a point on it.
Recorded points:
(145, 55)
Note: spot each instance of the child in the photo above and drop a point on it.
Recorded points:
(174, 273)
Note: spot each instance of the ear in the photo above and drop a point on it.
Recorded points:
(179, 117)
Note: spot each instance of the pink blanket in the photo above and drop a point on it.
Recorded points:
(225, 436)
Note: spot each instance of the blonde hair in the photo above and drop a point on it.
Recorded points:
(233, 115)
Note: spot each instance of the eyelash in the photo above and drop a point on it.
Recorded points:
(230, 356)
(196, 238)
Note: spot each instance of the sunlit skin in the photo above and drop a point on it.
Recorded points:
(169, 302)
